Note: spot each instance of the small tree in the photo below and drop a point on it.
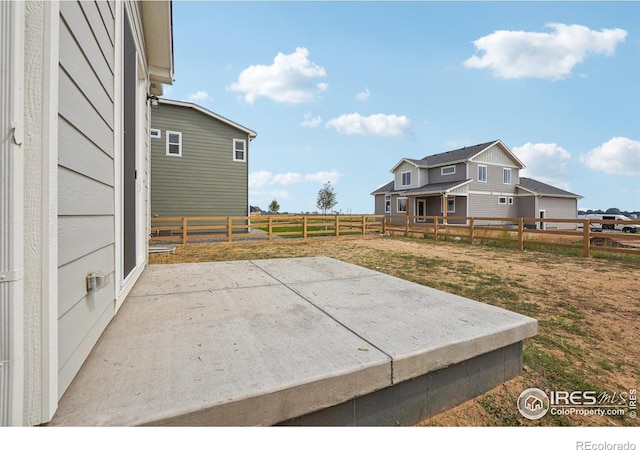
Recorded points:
(326, 198)
(274, 207)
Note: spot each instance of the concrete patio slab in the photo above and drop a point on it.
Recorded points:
(269, 341)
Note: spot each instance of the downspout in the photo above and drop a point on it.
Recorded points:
(12, 20)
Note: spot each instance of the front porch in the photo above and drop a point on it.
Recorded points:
(302, 341)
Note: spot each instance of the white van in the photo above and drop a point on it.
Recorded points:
(624, 227)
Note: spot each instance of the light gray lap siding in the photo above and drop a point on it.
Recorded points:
(204, 181)
(435, 174)
(86, 215)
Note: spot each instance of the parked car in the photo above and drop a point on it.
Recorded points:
(618, 226)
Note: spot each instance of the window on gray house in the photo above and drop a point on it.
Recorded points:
(482, 174)
(239, 150)
(506, 176)
(174, 143)
(406, 178)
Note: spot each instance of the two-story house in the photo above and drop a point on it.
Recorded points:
(199, 162)
(478, 181)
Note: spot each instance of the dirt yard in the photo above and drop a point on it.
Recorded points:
(588, 311)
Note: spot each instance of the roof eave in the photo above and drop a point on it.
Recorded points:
(157, 27)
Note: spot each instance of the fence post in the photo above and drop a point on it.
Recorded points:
(364, 225)
(229, 229)
(384, 224)
(406, 224)
(304, 227)
(586, 241)
(435, 228)
(337, 225)
(184, 230)
(270, 228)
(471, 230)
(521, 233)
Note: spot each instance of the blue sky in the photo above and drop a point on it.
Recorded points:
(341, 91)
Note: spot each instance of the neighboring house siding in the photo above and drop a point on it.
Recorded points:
(415, 176)
(495, 179)
(86, 214)
(487, 205)
(559, 208)
(435, 174)
(495, 155)
(526, 206)
(205, 180)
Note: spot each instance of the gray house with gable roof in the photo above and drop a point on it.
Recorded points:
(478, 181)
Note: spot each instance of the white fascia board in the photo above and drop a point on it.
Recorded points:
(157, 25)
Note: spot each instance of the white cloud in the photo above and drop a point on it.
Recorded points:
(618, 156)
(310, 121)
(290, 79)
(373, 125)
(553, 55)
(545, 162)
(261, 179)
(362, 96)
(323, 176)
(199, 96)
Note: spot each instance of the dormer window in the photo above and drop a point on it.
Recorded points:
(406, 179)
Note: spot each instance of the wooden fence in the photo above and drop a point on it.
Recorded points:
(522, 233)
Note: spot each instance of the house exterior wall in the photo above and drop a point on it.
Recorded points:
(86, 168)
(435, 174)
(487, 205)
(494, 181)
(205, 180)
(559, 208)
(415, 176)
(526, 205)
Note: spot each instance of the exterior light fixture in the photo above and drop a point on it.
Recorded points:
(155, 101)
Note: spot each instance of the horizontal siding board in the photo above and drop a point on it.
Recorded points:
(69, 367)
(78, 68)
(79, 154)
(80, 29)
(494, 179)
(72, 286)
(436, 177)
(108, 19)
(486, 205)
(79, 195)
(79, 236)
(103, 39)
(78, 111)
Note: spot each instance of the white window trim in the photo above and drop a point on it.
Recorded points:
(244, 152)
(504, 173)
(500, 202)
(406, 204)
(387, 204)
(486, 174)
(155, 133)
(402, 183)
(447, 167)
(179, 154)
(510, 201)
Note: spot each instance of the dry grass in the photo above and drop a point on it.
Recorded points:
(588, 310)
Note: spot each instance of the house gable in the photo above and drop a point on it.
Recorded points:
(498, 154)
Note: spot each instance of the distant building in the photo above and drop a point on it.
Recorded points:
(199, 162)
(478, 181)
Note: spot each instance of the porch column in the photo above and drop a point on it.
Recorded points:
(445, 208)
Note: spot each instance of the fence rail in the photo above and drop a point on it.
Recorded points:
(588, 235)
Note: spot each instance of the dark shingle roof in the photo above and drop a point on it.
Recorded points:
(460, 154)
(384, 189)
(544, 189)
(434, 188)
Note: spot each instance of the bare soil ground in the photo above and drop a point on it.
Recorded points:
(588, 311)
